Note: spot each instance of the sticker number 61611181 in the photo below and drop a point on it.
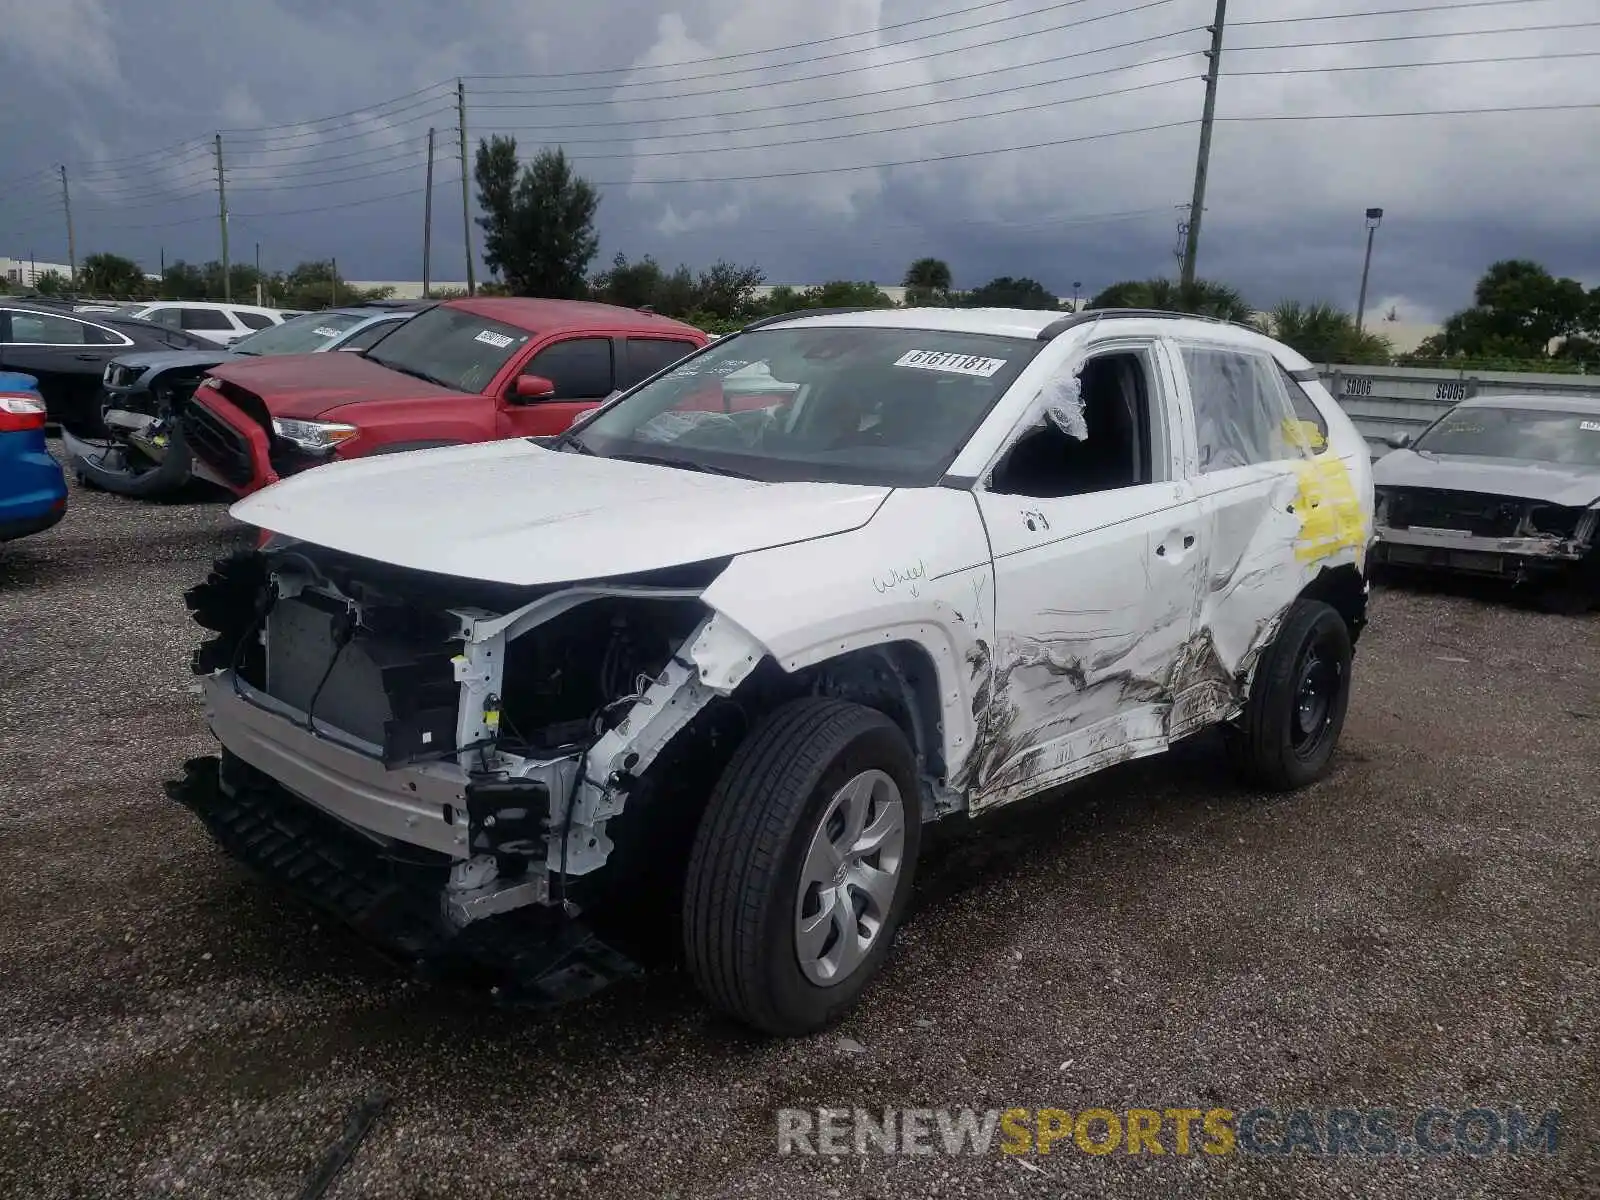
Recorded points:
(1590, 426)
(957, 364)
(498, 340)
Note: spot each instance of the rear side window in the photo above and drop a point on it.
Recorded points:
(255, 320)
(1242, 414)
(46, 329)
(579, 367)
(164, 316)
(646, 356)
(1305, 409)
(204, 318)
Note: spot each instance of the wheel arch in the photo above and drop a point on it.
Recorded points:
(1344, 589)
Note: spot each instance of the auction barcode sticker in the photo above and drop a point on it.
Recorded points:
(957, 364)
(498, 340)
(1590, 426)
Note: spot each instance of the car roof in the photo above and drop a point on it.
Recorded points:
(1549, 402)
(562, 316)
(1044, 325)
(222, 304)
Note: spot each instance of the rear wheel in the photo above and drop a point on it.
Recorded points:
(1291, 723)
(802, 866)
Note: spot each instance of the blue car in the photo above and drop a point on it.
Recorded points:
(33, 491)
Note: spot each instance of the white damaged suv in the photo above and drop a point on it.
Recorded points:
(707, 664)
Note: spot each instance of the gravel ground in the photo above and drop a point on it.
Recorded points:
(1421, 927)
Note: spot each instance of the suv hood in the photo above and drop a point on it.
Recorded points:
(165, 360)
(513, 512)
(308, 385)
(1551, 483)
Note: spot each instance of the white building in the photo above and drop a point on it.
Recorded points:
(25, 272)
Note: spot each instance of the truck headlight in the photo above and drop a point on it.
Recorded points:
(314, 437)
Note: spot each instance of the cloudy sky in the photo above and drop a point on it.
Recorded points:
(827, 138)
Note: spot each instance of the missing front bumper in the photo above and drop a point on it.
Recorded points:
(532, 955)
(1503, 557)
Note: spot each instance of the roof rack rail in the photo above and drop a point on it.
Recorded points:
(761, 322)
(1094, 315)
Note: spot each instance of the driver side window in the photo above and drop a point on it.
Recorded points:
(580, 368)
(1119, 414)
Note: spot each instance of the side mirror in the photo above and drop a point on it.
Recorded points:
(1398, 441)
(534, 387)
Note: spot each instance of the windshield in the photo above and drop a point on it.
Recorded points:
(302, 335)
(1542, 435)
(830, 404)
(450, 347)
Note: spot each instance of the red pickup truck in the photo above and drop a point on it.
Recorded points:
(464, 371)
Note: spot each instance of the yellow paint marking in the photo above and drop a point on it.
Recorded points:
(1331, 517)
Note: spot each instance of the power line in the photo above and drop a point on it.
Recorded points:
(1438, 62)
(1386, 12)
(925, 124)
(838, 37)
(365, 110)
(899, 62)
(986, 74)
(1417, 37)
(1056, 142)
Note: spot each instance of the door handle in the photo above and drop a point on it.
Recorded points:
(87, 357)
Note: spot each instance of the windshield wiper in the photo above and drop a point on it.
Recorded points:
(413, 372)
(570, 439)
(684, 464)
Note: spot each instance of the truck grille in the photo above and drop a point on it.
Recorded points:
(222, 447)
(1472, 512)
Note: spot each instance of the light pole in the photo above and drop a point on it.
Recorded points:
(1077, 287)
(1374, 219)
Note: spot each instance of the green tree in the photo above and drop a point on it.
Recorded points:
(538, 224)
(51, 283)
(1518, 309)
(844, 293)
(112, 275)
(1325, 334)
(1006, 292)
(630, 284)
(315, 284)
(726, 291)
(927, 283)
(1202, 298)
(183, 281)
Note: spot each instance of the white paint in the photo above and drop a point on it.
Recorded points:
(1064, 634)
(513, 512)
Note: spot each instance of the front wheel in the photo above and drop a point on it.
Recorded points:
(1291, 723)
(802, 866)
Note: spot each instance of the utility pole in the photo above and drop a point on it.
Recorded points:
(1374, 219)
(427, 217)
(1203, 163)
(466, 203)
(222, 218)
(333, 282)
(72, 245)
(258, 274)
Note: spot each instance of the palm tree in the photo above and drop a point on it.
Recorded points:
(930, 274)
(1203, 298)
(1325, 334)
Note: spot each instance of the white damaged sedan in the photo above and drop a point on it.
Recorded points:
(709, 663)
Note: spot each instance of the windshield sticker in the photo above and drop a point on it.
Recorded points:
(1590, 426)
(324, 331)
(725, 368)
(498, 340)
(955, 364)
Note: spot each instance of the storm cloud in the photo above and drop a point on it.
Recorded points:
(709, 143)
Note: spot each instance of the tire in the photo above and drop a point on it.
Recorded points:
(1291, 723)
(92, 466)
(764, 830)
